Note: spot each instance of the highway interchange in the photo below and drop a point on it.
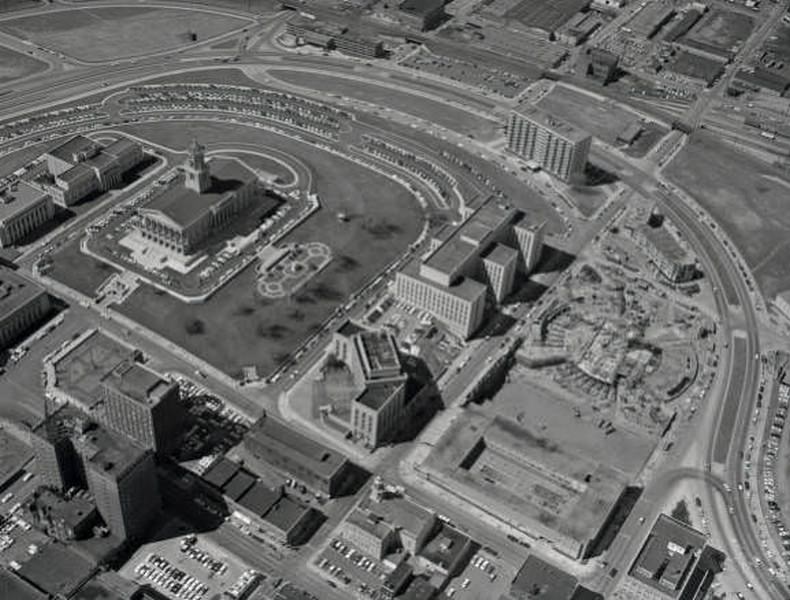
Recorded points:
(710, 457)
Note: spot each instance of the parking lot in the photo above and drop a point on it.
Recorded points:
(187, 567)
(483, 578)
(345, 566)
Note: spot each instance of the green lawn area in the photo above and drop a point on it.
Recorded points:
(236, 327)
(15, 65)
(79, 271)
(748, 198)
(97, 34)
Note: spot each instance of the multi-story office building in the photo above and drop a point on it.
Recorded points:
(288, 451)
(122, 478)
(481, 258)
(73, 450)
(23, 209)
(198, 204)
(80, 167)
(383, 397)
(557, 146)
(22, 305)
(142, 405)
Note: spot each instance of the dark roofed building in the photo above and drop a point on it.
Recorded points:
(239, 484)
(259, 499)
(396, 581)
(14, 587)
(419, 589)
(57, 570)
(288, 451)
(22, 305)
(62, 518)
(220, 472)
(448, 550)
(676, 561)
(539, 579)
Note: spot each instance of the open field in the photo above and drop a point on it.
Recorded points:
(603, 119)
(14, 65)
(238, 328)
(79, 271)
(110, 33)
(749, 199)
(413, 104)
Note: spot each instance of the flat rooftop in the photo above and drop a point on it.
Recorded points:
(74, 145)
(120, 146)
(259, 499)
(446, 546)
(399, 511)
(545, 119)
(13, 586)
(184, 206)
(376, 393)
(135, 382)
(75, 173)
(463, 287)
(467, 238)
(111, 452)
(15, 292)
(220, 472)
(668, 550)
(543, 580)
(18, 197)
(285, 441)
(370, 522)
(500, 254)
(57, 569)
(380, 350)
(285, 513)
(80, 371)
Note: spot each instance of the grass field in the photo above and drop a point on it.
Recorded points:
(603, 119)
(14, 65)
(748, 198)
(236, 327)
(110, 33)
(79, 271)
(413, 104)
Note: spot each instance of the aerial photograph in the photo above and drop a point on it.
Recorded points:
(394, 299)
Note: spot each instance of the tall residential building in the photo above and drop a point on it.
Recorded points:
(557, 146)
(142, 405)
(477, 260)
(73, 450)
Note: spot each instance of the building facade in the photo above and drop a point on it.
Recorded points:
(143, 406)
(557, 146)
(22, 305)
(80, 167)
(23, 209)
(288, 451)
(421, 14)
(74, 451)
